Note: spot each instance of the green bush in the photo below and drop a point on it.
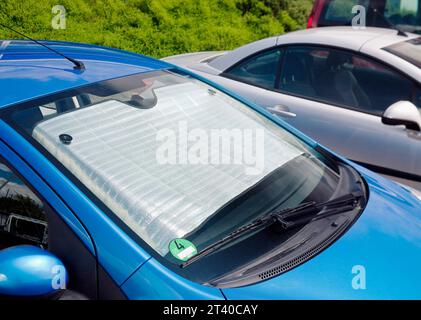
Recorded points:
(157, 28)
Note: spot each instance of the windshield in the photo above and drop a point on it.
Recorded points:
(408, 50)
(178, 162)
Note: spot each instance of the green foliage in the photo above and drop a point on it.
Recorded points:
(157, 28)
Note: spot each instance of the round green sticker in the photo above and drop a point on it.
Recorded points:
(182, 249)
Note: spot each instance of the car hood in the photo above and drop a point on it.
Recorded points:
(379, 257)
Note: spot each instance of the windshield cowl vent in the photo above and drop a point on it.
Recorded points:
(301, 258)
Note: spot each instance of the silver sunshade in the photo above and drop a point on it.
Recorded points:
(113, 153)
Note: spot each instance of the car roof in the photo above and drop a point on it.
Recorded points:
(343, 37)
(28, 70)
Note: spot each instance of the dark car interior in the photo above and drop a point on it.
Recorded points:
(341, 78)
(328, 75)
(260, 69)
(380, 13)
(22, 217)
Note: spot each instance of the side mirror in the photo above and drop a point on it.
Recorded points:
(403, 113)
(30, 272)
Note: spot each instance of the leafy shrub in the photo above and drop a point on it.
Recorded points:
(157, 28)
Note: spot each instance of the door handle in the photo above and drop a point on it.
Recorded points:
(282, 111)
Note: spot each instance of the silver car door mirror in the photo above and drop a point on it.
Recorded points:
(282, 111)
(403, 113)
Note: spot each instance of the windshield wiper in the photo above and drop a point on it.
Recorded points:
(287, 219)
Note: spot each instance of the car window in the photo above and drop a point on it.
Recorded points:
(380, 13)
(338, 12)
(403, 13)
(22, 216)
(342, 78)
(260, 69)
(26, 220)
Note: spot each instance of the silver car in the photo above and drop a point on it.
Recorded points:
(357, 92)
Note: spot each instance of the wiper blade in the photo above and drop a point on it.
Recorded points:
(287, 218)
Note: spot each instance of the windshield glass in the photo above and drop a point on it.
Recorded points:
(174, 158)
(408, 50)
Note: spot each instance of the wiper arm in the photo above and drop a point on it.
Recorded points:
(287, 218)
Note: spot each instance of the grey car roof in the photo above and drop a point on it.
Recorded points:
(331, 36)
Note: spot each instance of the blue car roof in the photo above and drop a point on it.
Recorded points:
(28, 70)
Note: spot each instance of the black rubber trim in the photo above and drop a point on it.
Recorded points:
(396, 122)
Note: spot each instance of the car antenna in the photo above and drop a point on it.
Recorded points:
(391, 24)
(78, 65)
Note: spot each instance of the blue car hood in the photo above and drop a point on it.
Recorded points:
(379, 257)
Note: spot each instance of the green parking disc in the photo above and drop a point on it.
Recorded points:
(182, 249)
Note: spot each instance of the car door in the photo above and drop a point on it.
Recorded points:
(31, 214)
(337, 98)
(112, 256)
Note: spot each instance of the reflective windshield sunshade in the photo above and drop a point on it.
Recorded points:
(112, 149)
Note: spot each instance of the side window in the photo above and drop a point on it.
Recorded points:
(342, 78)
(339, 12)
(260, 69)
(22, 216)
(403, 12)
(23, 220)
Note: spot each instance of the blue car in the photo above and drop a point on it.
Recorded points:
(125, 177)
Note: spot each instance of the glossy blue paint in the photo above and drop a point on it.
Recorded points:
(386, 240)
(30, 271)
(28, 70)
(154, 281)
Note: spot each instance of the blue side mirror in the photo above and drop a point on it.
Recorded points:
(28, 271)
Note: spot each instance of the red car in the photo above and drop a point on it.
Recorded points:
(404, 14)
